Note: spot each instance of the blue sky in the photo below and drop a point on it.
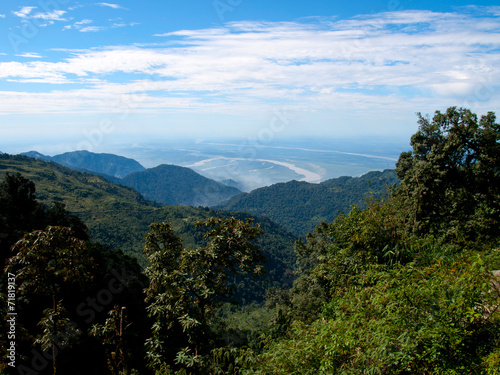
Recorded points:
(83, 74)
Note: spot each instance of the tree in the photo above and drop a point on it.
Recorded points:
(47, 261)
(187, 285)
(19, 210)
(440, 319)
(112, 334)
(400, 287)
(451, 178)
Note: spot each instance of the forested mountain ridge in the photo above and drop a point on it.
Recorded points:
(109, 164)
(171, 184)
(168, 184)
(300, 206)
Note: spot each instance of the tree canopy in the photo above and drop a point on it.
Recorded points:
(187, 285)
(451, 178)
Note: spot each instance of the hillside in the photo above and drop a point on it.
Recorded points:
(113, 165)
(119, 217)
(109, 164)
(171, 184)
(300, 206)
(168, 184)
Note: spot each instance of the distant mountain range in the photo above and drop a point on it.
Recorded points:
(168, 184)
(300, 206)
(109, 164)
(119, 216)
(171, 184)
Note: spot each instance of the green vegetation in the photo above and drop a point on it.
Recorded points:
(404, 286)
(108, 164)
(187, 285)
(171, 184)
(300, 206)
(117, 216)
(44, 263)
(407, 285)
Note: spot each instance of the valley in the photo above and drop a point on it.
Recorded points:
(299, 205)
(254, 164)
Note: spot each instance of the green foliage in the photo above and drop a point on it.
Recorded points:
(174, 185)
(400, 285)
(118, 217)
(403, 286)
(336, 252)
(451, 179)
(241, 326)
(300, 206)
(187, 285)
(19, 210)
(46, 260)
(112, 334)
(45, 263)
(57, 328)
(404, 320)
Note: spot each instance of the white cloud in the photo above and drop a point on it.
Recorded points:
(24, 12)
(27, 13)
(114, 6)
(33, 55)
(394, 62)
(55, 15)
(83, 22)
(123, 24)
(2, 16)
(78, 25)
(82, 26)
(92, 29)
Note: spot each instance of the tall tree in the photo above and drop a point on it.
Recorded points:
(187, 285)
(451, 178)
(46, 262)
(112, 334)
(19, 210)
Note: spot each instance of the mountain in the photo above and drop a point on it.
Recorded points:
(110, 164)
(171, 184)
(37, 155)
(118, 216)
(233, 183)
(168, 184)
(300, 206)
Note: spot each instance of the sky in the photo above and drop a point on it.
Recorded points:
(86, 75)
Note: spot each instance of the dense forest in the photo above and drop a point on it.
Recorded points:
(167, 184)
(407, 284)
(299, 206)
(171, 184)
(106, 164)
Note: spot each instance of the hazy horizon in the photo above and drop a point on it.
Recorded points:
(254, 163)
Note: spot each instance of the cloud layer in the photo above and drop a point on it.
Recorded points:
(397, 62)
